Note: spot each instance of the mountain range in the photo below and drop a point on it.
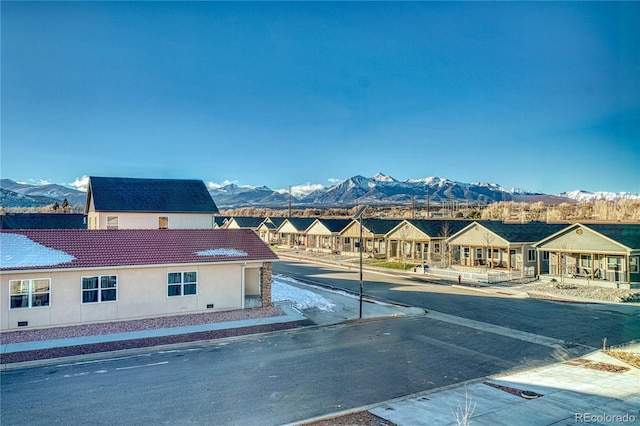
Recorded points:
(376, 190)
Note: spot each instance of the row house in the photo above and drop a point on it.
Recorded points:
(596, 253)
(498, 245)
(325, 234)
(421, 240)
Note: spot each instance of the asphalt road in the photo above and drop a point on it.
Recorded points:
(582, 324)
(289, 376)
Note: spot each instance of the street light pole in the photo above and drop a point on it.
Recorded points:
(358, 216)
(361, 283)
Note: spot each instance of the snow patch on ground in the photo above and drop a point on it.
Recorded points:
(301, 298)
(18, 251)
(222, 252)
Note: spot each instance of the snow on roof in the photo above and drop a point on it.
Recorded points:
(19, 251)
(222, 252)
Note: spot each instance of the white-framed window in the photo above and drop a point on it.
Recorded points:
(634, 263)
(585, 261)
(614, 263)
(478, 253)
(100, 289)
(545, 256)
(163, 222)
(182, 283)
(112, 222)
(531, 255)
(33, 293)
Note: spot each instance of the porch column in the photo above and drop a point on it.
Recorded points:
(491, 256)
(508, 258)
(628, 264)
(593, 267)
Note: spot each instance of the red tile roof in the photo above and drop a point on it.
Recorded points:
(112, 248)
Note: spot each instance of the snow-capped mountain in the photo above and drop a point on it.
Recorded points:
(15, 194)
(582, 196)
(377, 190)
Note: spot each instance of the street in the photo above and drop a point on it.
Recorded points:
(294, 375)
(581, 324)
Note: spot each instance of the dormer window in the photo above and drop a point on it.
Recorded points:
(163, 222)
(112, 222)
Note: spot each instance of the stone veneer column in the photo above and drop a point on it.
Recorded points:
(265, 284)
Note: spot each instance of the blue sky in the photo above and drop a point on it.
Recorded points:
(543, 96)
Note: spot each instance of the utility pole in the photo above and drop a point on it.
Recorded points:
(358, 216)
(413, 207)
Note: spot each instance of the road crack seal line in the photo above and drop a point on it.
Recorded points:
(142, 366)
(497, 329)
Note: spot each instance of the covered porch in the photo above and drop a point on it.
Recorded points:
(601, 269)
(606, 255)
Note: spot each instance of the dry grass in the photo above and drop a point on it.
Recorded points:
(628, 357)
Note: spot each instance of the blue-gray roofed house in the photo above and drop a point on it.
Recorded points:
(43, 221)
(324, 234)
(131, 203)
(373, 235)
(422, 239)
(244, 222)
(499, 246)
(603, 254)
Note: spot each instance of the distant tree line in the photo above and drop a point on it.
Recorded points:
(601, 210)
(65, 207)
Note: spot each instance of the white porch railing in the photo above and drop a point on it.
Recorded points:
(483, 277)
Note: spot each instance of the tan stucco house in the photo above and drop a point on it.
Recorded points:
(374, 231)
(292, 232)
(607, 255)
(132, 203)
(268, 229)
(68, 277)
(499, 245)
(421, 239)
(324, 234)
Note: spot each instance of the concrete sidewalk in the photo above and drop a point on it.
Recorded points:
(346, 307)
(291, 315)
(577, 391)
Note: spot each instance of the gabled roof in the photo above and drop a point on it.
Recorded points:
(439, 227)
(250, 222)
(277, 221)
(624, 234)
(627, 234)
(530, 232)
(43, 221)
(522, 232)
(334, 225)
(272, 223)
(112, 194)
(83, 248)
(299, 223)
(380, 226)
(220, 220)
